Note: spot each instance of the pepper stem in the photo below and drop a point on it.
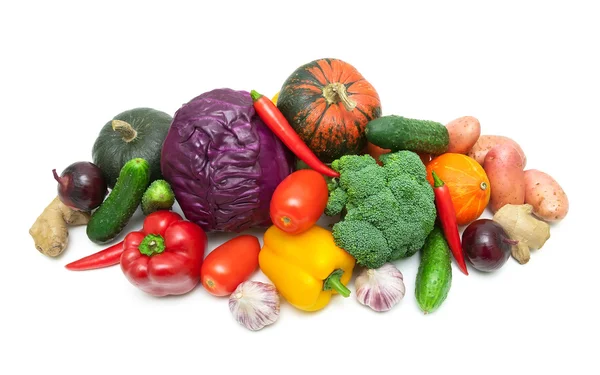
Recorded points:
(255, 95)
(437, 182)
(152, 244)
(125, 130)
(333, 282)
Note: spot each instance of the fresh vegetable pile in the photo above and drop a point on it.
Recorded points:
(234, 160)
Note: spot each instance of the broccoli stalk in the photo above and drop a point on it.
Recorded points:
(389, 209)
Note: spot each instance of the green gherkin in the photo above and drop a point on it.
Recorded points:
(435, 272)
(117, 209)
(400, 133)
(158, 196)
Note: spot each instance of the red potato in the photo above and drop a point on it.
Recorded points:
(503, 165)
(464, 133)
(549, 200)
(486, 142)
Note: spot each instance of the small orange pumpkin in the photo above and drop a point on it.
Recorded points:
(467, 181)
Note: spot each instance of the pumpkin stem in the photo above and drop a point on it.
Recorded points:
(125, 130)
(335, 93)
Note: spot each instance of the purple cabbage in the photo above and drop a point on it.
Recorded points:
(223, 163)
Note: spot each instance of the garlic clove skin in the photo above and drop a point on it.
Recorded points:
(381, 288)
(254, 304)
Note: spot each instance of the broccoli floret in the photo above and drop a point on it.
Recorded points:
(363, 241)
(376, 209)
(390, 209)
(352, 163)
(336, 202)
(360, 176)
(403, 164)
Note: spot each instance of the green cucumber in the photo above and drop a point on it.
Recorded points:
(435, 272)
(115, 212)
(158, 196)
(399, 133)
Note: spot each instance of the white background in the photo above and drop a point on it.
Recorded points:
(525, 70)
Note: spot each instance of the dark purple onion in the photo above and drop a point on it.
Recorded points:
(486, 245)
(81, 186)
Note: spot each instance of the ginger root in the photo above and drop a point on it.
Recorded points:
(520, 224)
(50, 230)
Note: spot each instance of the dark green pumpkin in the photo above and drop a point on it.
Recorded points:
(137, 133)
(329, 103)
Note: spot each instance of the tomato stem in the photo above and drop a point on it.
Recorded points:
(286, 221)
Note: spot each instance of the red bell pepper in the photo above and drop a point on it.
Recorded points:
(164, 259)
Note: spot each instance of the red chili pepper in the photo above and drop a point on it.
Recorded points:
(104, 258)
(111, 256)
(447, 217)
(274, 119)
(165, 259)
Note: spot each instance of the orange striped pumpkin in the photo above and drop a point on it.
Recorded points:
(329, 103)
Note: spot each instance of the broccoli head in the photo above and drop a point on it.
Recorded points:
(363, 241)
(389, 209)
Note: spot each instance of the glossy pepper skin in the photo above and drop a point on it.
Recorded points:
(307, 268)
(165, 257)
(274, 119)
(447, 216)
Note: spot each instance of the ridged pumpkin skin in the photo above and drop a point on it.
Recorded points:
(329, 103)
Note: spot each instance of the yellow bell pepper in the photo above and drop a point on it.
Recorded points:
(306, 268)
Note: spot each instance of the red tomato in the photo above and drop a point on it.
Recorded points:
(229, 265)
(299, 201)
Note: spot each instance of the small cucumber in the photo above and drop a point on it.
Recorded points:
(435, 272)
(158, 196)
(400, 133)
(115, 212)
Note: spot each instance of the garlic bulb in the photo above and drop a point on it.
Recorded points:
(254, 304)
(381, 288)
